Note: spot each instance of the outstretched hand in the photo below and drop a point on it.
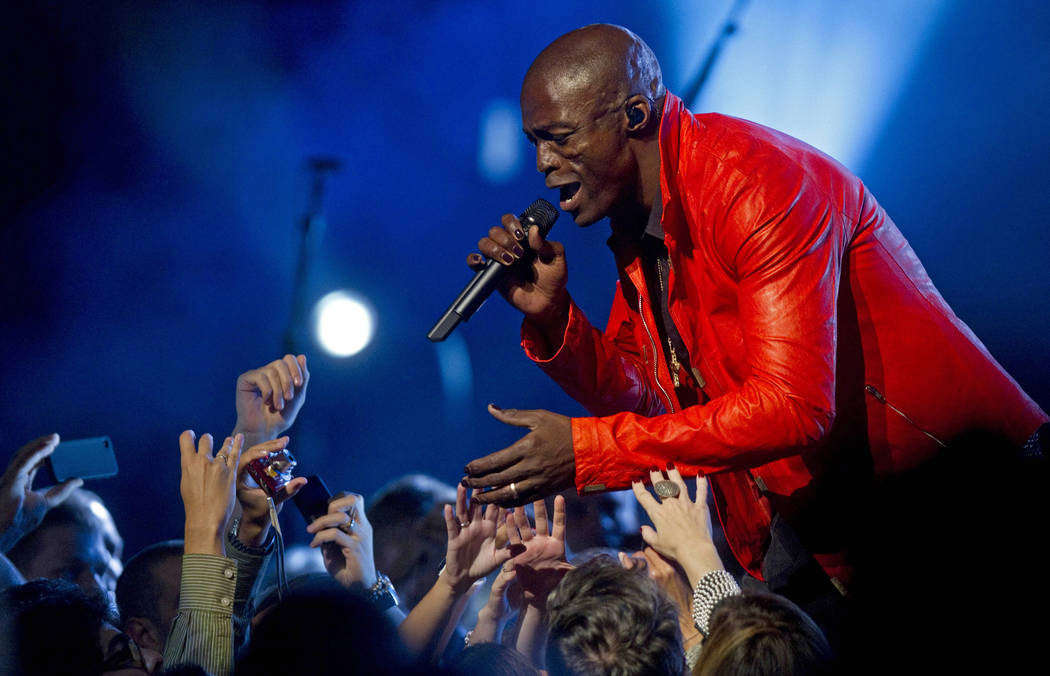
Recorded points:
(537, 465)
(269, 398)
(683, 526)
(494, 614)
(472, 552)
(21, 508)
(208, 490)
(539, 555)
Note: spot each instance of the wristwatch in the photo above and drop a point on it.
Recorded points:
(232, 537)
(382, 594)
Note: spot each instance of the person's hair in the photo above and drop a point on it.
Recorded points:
(138, 588)
(267, 599)
(605, 619)
(758, 633)
(51, 627)
(490, 659)
(324, 631)
(75, 510)
(409, 501)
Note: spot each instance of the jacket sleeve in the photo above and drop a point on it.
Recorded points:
(604, 372)
(781, 242)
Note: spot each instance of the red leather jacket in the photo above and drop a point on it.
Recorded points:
(828, 357)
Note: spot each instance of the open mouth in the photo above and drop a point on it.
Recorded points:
(568, 194)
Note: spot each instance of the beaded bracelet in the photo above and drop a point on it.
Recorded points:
(710, 589)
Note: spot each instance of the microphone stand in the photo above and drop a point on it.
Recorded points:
(729, 27)
(312, 227)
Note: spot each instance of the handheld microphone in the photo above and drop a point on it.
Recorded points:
(540, 214)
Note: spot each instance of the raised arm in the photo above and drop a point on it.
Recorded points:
(22, 508)
(683, 535)
(269, 398)
(471, 555)
(202, 632)
(539, 561)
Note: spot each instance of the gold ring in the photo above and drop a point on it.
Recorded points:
(666, 489)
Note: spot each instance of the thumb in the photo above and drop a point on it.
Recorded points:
(57, 494)
(511, 416)
(650, 536)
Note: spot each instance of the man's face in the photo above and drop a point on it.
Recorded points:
(77, 553)
(581, 146)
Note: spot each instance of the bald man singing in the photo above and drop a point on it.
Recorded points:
(771, 327)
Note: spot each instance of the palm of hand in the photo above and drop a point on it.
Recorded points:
(472, 553)
(540, 566)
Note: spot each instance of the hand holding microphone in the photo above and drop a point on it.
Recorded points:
(528, 270)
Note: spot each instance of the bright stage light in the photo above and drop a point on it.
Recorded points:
(343, 324)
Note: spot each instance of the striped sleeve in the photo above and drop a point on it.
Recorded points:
(202, 632)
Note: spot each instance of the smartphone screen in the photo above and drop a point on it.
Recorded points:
(82, 458)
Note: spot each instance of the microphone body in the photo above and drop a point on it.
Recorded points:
(541, 214)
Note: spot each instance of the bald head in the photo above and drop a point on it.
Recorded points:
(601, 60)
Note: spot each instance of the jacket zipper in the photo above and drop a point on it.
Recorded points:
(656, 361)
(870, 389)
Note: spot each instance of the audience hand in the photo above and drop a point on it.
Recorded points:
(472, 552)
(345, 538)
(674, 584)
(255, 511)
(21, 508)
(208, 490)
(539, 556)
(683, 526)
(493, 615)
(269, 398)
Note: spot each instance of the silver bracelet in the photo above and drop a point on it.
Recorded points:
(710, 589)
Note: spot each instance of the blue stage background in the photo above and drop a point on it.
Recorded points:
(154, 183)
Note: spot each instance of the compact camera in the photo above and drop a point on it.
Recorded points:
(273, 471)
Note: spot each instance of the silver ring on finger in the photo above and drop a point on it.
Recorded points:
(666, 489)
(513, 491)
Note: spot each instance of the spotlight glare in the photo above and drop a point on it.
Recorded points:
(344, 324)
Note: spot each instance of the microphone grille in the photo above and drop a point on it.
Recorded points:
(540, 213)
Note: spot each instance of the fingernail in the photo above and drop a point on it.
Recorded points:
(507, 258)
(518, 251)
(519, 233)
(496, 407)
(463, 482)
